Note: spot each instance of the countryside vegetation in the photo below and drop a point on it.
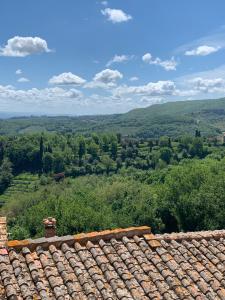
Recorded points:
(157, 171)
(172, 119)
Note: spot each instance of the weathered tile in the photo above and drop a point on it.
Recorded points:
(122, 264)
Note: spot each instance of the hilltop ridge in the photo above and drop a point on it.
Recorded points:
(171, 118)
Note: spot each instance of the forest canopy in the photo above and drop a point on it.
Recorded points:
(111, 181)
(184, 197)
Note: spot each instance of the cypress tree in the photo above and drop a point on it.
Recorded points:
(41, 152)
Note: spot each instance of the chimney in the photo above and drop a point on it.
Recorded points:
(50, 227)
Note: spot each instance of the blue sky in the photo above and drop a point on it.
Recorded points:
(94, 57)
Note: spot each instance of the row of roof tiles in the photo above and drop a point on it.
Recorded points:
(121, 264)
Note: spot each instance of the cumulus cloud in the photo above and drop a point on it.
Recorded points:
(108, 76)
(41, 96)
(18, 72)
(23, 46)
(116, 15)
(67, 79)
(119, 59)
(205, 85)
(159, 88)
(202, 51)
(105, 79)
(168, 65)
(23, 79)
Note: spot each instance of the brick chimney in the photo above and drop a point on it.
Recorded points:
(50, 227)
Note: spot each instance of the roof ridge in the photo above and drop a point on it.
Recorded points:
(81, 238)
(204, 234)
(106, 235)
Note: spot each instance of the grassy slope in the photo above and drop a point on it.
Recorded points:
(172, 118)
(22, 183)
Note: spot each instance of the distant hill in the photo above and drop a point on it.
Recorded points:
(6, 115)
(176, 118)
(172, 119)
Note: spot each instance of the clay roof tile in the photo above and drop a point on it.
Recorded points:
(115, 264)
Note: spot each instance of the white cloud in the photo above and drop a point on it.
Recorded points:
(159, 88)
(134, 78)
(106, 79)
(23, 46)
(147, 57)
(108, 76)
(218, 72)
(199, 87)
(35, 95)
(67, 79)
(74, 94)
(205, 85)
(119, 59)
(18, 72)
(215, 40)
(116, 15)
(23, 79)
(57, 100)
(210, 82)
(168, 65)
(202, 51)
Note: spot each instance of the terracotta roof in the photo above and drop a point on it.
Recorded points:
(122, 264)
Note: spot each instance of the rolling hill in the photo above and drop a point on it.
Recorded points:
(171, 118)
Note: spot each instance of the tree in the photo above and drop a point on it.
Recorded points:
(119, 163)
(49, 148)
(155, 159)
(166, 154)
(108, 163)
(82, 148)
(93, 149)
(1, 150)
(197, 148)
(123, 154)
(41, 152)
(105, 143)
(185, 142)
(150, 144)
(5, 174)
(197, 133)
(164, 141)
(119, 137)
(114, 148)
(95, 138)
(48, 162)
(58, 162)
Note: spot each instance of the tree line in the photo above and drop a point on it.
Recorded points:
(185, 197)
(78, 155)
(168, 184)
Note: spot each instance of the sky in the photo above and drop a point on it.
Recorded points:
(82, 57)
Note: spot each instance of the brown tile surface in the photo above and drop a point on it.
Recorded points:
(119, 264)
